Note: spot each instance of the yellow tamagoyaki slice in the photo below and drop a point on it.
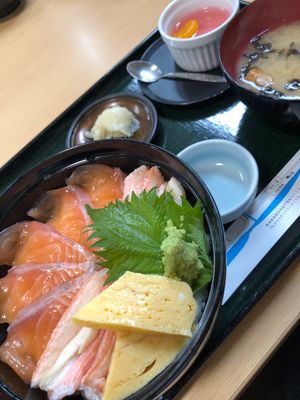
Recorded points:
(142, 303)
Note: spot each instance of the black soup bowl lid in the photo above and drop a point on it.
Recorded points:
(128, 155)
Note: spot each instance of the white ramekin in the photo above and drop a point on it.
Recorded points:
(200, 53)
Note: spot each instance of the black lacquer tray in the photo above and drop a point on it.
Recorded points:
(224, 116)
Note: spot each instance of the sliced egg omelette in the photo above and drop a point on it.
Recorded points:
(143, 304)
(137, 358)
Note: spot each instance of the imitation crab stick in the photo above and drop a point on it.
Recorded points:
(93, 382)
(70, 378)
(63, 344)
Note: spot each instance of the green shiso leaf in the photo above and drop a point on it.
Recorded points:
(130, 234)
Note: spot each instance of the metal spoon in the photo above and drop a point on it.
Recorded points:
(147, 72)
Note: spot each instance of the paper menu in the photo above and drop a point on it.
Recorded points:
(252, 235)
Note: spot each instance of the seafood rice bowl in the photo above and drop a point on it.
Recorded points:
(89, 282)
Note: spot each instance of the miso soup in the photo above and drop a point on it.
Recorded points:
(271, 62)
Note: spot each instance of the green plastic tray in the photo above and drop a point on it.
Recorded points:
(223, 117)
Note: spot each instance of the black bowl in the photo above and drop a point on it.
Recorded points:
(127, 155)
(9, 8)
(250, 22)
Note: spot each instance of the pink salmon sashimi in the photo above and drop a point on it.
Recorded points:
(26, 283)
(64, 209)
(142, 178)
(68, 340)
(145, 179)
(38, 243)
(94, 380)
(103, 183)
(28, 335)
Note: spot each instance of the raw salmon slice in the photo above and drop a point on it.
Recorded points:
(145, 179)
(38, 243)
(28, 335)
(142, 178)
(64, 209)
(25, 283)
(103, 183)
(68, 340)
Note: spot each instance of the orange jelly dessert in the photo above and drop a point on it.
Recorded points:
(199, 22)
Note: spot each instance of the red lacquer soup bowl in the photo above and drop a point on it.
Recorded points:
(252, 21)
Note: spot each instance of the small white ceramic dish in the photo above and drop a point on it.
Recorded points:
(229, 171)
(199, 53)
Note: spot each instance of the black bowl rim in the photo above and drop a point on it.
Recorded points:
(147, 103)
(164, 381)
